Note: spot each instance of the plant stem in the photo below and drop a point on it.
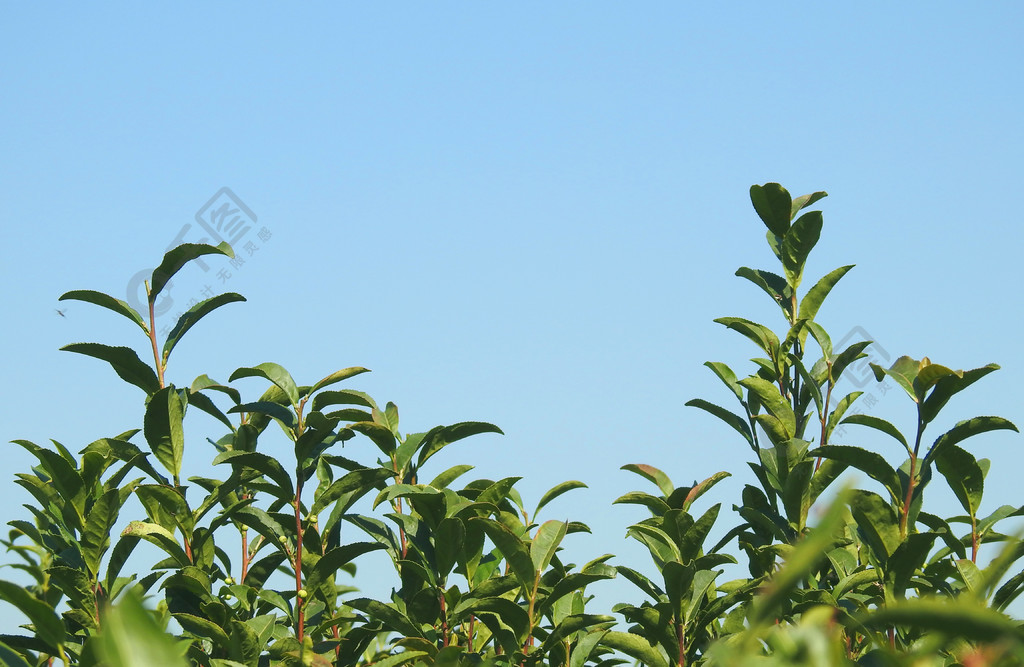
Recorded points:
(152, 338)
(912, 481)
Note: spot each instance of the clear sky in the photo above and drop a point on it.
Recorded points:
(523, 213)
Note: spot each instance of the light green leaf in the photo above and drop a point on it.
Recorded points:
(652, 474)
(545, 543)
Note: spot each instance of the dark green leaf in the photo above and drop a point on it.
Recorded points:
(635, 647)
(512, 548)
(179, 257)
(556, 491)
(815, 296)
(964, 476)
(47, 625)
(193, 315)
(442, 436)
(774, 206)
(966, 429)
(876, 522)
(879, 425)
(125, 362)
(273, 372)
(797, 244)
(738, 423)
(106, 301)
(163, 428)
(868, 462)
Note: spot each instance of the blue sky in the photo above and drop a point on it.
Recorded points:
(525, 214)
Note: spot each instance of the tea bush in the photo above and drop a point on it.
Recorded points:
(252, 568)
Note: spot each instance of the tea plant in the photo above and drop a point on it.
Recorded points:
(255, 567)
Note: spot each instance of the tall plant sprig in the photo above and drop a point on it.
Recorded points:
(166, 405)
(779, 399)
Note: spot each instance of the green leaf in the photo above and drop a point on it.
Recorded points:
(357, 482)
(738, 423)
(47, 625)
(269, 408)
(948, 386)
(652, 474)
(11, 658)
(338, 376)
(904, 370)
(273, 372)
(967, 429)
(132, 638)
(179, 257)
(964, 475)
(772, 284)
(106, 301)
(159, 536)
(815, 296)
(868, 462)
(510, 613)
(193, 315)
(545, 543)
(774, 206)
(392, 618)
(761, 335)
(774, 403)
(450, 475)
(837, 415)
(803, 201)
(380, 435)
(516, 553)
(556, 491)
(263, 464)
(879, 425)
(98, 524)
(700, 489)
(801, 561)
(442, 436)
(797, 244)
(332, 561)
(125, 362)
(876, 522)
(635, 647)
(956, 618)
(163, 428)
(727, 376)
